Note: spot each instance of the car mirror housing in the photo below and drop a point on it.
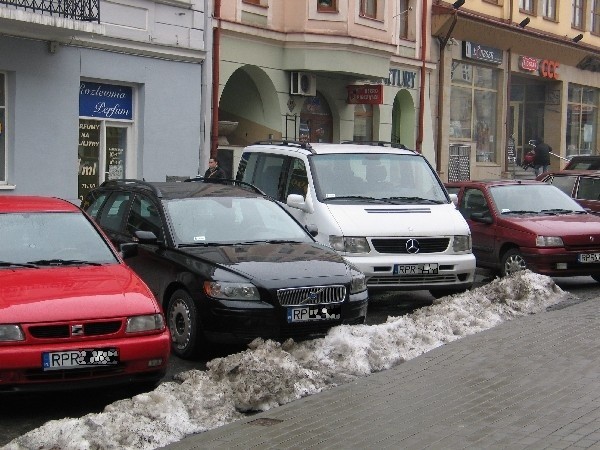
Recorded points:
(146, 237)
(128, 250)
(297, 201)
(312, 229)
(481, 217)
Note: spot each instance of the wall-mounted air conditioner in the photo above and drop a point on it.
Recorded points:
(302, 83)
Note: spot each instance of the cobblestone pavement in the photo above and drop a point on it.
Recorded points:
(533, 382)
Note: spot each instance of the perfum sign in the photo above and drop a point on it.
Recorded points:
(106, 101)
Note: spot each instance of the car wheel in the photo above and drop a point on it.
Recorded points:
(512, 262)
(182, 319)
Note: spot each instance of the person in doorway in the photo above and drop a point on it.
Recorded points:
(214, 171)
(541, 160)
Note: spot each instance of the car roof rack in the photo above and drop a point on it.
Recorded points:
(285, 142)
(379, 144)
(231, 181)
(133, 181)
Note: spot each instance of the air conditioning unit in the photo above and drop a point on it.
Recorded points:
(302, 83)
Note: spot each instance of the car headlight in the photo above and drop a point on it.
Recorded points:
(349, 244)
(358, 283)
(11, 333)
(145, 323)
(462, 243)
(227, 290)
(549, 241)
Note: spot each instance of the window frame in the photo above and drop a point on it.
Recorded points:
(528, 7)
(578, 14)
(365, 6)
(549, 5)
(595, 18)
(327, 6)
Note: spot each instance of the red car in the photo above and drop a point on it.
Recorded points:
(518, 224)
(582, 185)
(72, 314)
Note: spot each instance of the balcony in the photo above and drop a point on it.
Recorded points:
(50, 19)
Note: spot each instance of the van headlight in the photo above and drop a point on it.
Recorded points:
(349, 244)
(462, 243)
(549, 241)
(149, 322)
(227, 290)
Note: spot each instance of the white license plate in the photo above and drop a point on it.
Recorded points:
(588, 257)
(313, 312)
(74, 359)
(416, 269)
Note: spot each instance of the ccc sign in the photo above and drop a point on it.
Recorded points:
(549, 69)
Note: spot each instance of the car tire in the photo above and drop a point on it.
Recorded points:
(183, 323)
(512, 262)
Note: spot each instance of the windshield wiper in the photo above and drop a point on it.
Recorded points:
(63, 262)
(415, 199)
(15, 264)
(520, 212)
(202, 244)
(560, 211)
(356, 197)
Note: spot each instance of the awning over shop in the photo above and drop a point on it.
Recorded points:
(463, 25)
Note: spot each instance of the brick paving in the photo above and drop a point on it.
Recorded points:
(530, 383)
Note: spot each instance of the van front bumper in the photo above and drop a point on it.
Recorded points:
(416, 272)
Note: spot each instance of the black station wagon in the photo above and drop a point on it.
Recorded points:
(227, 263)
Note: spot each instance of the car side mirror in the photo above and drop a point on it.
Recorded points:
(146, 237)
(298, 202)
(312, 229)
(481, 218)
(454, 199)
(128, 249)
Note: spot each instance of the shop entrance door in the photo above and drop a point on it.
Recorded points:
(515, 127)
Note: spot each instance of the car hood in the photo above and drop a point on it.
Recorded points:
(398, 220)
(276, 261)
(574, 229)
(72, 293)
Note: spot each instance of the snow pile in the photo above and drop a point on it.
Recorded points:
(270, 374)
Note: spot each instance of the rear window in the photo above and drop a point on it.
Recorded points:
(584, 163)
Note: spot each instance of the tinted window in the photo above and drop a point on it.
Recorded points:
(267, 175)
(564, 183)
(96, 204)
(297, 182)
(584, 163)
(473, 201)
(116, 209)
(144, 216)
(589, 188)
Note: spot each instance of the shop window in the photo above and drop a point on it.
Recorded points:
(527, 6)
(363, 123)
(578, 14)
(582, 120)
(2, 128)
(473, 105)
(316, 121)
(327, 5)
(549, 9)
(596, 17)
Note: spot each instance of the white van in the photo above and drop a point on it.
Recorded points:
(383, 208)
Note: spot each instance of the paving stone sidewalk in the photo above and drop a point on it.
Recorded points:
(533, 382)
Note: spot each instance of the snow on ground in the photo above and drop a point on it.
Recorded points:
(270, 374)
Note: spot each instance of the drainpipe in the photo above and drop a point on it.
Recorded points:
(422, 87)
(214, 136)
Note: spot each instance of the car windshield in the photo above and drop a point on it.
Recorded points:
(532, 198)
(376, 177)
(231, 220)
(50, 238)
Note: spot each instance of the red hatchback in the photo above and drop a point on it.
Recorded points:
(72, 314)
(517, 224)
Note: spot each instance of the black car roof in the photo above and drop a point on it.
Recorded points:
(178, 189)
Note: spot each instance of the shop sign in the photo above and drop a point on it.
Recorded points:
(367, 94)
(528, 63)
(106, 101)
(401, 78)
(480, 52)
(548, 69)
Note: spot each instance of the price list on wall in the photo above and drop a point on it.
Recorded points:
(88, 156)
(116, 140)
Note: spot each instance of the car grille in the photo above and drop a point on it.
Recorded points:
(63, 330)
(311, 295)
(38, 375)
(426, 245)
(410, 280)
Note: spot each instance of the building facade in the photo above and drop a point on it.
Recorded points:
(512, 71)
(323, 70)
(106, 90)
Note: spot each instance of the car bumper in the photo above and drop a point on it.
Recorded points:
(141, 359)
(559, 262)
(244, 324)
(454, 271)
